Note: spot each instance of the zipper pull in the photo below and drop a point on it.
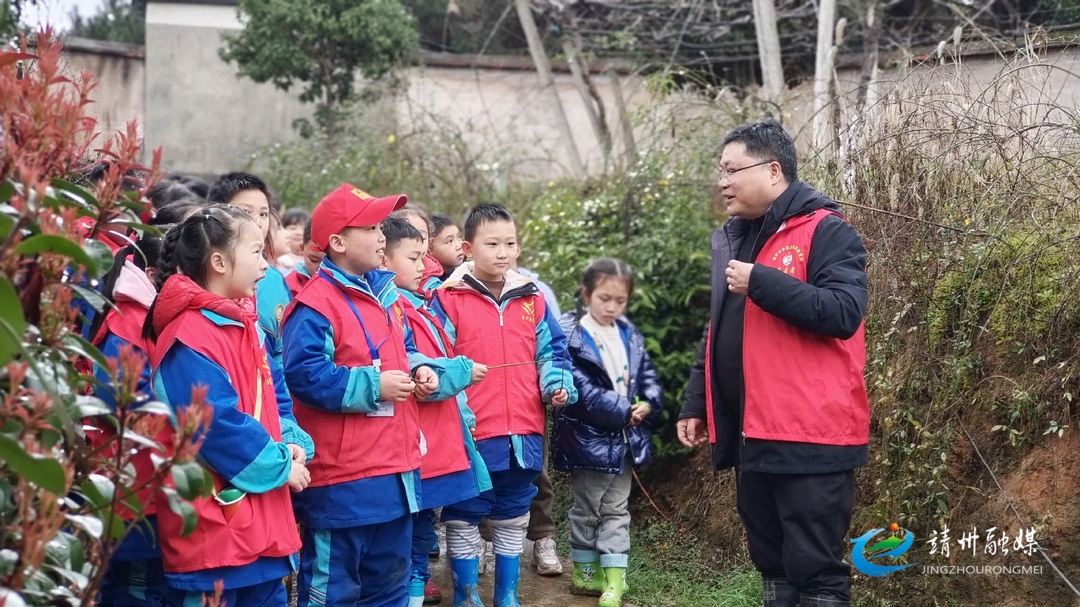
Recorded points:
(500, 318)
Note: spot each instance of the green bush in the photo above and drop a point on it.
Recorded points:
(657, 225)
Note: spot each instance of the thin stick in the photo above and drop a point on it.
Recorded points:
(528, 362)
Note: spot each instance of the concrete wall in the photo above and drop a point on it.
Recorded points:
(120, 70)
(207, 120)
(509, 118)
(975, 82)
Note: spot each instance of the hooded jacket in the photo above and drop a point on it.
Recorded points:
(595, 433)
(803, 348)
(207, 340)
(296, 279)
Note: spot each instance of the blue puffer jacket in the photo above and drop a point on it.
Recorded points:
(593, 433)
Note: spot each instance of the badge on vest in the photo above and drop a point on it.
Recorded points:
(386, 409)
(787, 257)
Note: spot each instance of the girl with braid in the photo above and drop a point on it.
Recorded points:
(205, 331)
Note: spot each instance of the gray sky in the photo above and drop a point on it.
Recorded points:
(58, 12)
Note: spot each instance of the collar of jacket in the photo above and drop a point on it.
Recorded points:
(378, 284)
(585, 347)
(514, 285)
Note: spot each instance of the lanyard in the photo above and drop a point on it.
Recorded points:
(375, 359)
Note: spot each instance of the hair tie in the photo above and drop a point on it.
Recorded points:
(207, 216)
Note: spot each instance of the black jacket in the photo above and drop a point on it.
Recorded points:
(832, 301)
(594, 433)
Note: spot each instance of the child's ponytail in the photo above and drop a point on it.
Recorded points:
(166, 265)
(579, 308)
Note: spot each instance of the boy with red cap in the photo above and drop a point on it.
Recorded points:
(353, 370)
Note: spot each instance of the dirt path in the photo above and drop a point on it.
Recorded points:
(533, 590)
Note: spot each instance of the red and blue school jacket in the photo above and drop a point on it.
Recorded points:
(518, 328)
(368, 449)
(206, 341)
(133, 293)
(430, 279)
(452, 470)
(296, 279)
(271, 298)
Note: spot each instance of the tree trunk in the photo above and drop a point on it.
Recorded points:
(543, 71)
(823, 71)
(772, 74)
(596, 116)
(625, 125)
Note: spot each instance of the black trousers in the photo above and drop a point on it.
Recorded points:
(796, 526)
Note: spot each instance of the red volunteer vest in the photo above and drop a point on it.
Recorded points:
(296, 281)
(508, 400)
(800, 386)
(439, 421)
(352, 446)
(264, 524)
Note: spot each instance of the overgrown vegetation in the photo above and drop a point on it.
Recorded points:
(965, 191)
(427, 158)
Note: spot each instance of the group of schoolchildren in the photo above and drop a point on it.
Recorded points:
(382, 379)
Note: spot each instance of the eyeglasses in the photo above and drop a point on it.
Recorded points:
(726, 174)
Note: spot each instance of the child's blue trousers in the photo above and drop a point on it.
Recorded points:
(423, 539)
(267, 594)
(511, 494)
(365, 566)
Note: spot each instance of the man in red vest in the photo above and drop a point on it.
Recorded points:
(779, 375)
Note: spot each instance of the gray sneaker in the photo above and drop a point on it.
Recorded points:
(545, 558)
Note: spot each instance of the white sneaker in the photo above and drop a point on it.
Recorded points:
(545, 558)
(487, 558)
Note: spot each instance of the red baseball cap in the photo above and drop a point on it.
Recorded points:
(346, 207)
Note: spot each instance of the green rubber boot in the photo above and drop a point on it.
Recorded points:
(613, 589)
(588, 579)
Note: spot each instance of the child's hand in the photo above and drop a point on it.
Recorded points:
(559, 397)
(299, 456)
(426, 382)
(299, 477)
(637, 415)
(479, 372)
(395, 386)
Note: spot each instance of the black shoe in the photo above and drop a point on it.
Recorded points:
(821, 600)
(779, 593)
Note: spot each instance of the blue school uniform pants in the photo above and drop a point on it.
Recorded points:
(364, 566)
(267, 594)
(510, 497)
